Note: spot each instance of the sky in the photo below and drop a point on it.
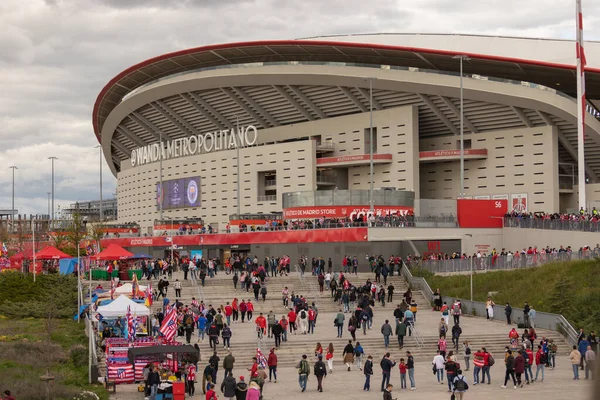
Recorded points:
(56, 56)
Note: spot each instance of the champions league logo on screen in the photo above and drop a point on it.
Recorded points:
(192, 192)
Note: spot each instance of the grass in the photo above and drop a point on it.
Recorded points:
(568, 288)
(27, 353)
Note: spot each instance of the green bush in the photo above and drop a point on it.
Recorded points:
(79, 356)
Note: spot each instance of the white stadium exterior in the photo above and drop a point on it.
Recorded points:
(297, 114)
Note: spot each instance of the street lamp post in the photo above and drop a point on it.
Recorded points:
(12, 210)
(48, 193)
(461, 58)
(101, 211)
(52, 211)
(471, 273)
(372, 206)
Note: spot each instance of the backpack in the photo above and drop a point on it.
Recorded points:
(303, 314)
(468, 351)
(491, 361)
(319, 369)
(304, 369)
(543, 358)
(461, 385)
(554, 348)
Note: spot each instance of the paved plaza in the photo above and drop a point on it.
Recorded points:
(493, 335)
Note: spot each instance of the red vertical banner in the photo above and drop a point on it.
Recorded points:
(481, 213)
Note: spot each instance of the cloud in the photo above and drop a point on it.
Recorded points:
(56, 55)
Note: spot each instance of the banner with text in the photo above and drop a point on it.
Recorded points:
(344, 211)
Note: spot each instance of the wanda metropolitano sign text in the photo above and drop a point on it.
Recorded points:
(343, 211)
(226, 139)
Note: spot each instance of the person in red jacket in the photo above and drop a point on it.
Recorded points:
(292, 320)
(243, 310)
(312, 315)
(540, 362)
(485, 368)
(261, 323)
(228, 313)
(528, 364)
(284, 325)
(250, 307)
(234, 310)
(211, 394)
(272, 363)
(519, 368)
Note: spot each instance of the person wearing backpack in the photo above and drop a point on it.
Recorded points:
(303, 372)
(460, 385)
(451, 368)
(540, 362)
(368, 371)
(320, 371)
(553, 348)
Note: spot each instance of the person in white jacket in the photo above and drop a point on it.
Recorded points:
(438, 362)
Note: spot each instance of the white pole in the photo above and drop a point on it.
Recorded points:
(237, 129)
(100, 158)
(580, 107)
(33, 245)
(52, 213)
(12, 211)
(79, 291)
(371, 145)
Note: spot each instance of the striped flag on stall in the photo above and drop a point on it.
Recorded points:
(123, 373)
(169, 325)
(131, 325)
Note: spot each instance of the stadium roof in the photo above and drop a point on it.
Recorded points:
(544, 62)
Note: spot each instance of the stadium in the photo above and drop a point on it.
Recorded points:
(308, 118)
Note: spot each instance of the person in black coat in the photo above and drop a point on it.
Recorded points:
(368, 371)
(320, 371)
(277, 330)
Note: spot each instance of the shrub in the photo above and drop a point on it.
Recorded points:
(79, 356)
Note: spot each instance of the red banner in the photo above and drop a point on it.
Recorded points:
(227, 239)
(481, 213)
(343, 211)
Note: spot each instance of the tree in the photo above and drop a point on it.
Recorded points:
(59, 240)
(76, 231)
(97, 233)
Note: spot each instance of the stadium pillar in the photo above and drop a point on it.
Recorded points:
(462, 58)
(371, 200)
(160, 184)
(581, 107)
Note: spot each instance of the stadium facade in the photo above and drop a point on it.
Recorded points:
(297, 114)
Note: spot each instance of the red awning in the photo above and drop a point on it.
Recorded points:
(113, 252)
(51, 253)
(23, 255)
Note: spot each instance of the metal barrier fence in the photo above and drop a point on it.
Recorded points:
(554, 322)
(552, 224)
(502, 262)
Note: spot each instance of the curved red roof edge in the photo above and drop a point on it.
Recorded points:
(313, 43)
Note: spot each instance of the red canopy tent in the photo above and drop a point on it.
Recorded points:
(51, 253)
(113, 252)
(23, 255)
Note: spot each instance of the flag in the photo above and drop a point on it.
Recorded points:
(121, 373)
(88, 248)
(4, 249)
(148, 302)
(130, 325)
(135, 286)
(260, 359)
(112, 288)
(169, 325)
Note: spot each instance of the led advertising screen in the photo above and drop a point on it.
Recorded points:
(178, 193)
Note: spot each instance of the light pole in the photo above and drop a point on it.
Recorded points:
(101, 212)
(52, 211)
(12, 211)
(160, 167)
(372, 205)
(48, 193)
(171, 236)
(471, 274)
(461, 58)
(237, 129)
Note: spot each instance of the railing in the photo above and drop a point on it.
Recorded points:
(554, 322)
(552, 224)
(327, 144)
(261, 199)
(271, 182)
(502, 262)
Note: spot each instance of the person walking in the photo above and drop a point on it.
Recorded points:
(339, 323)
(575, 357)
(386, 331)
(329, 357)
(438, 364)
(348, 354)
(241, 389)
(456, 332)
(228, 362)
(368, 371)
(320, 372)
(386, 370)
(400, 332)
(519, 368)
(272, 363)
(459, 385)
(358, 355)
(387, 393)
(510, 369)
(153, 382)
(226, 335)
(228, 386)
(177, 288)
(467, 354)
(508, 313)
(303, 372)
(456, 311)
(590, 363)
(540, 363)
(451, 371)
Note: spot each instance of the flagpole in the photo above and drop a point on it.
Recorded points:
(79, 291)
(33, 246)
(580, 107)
